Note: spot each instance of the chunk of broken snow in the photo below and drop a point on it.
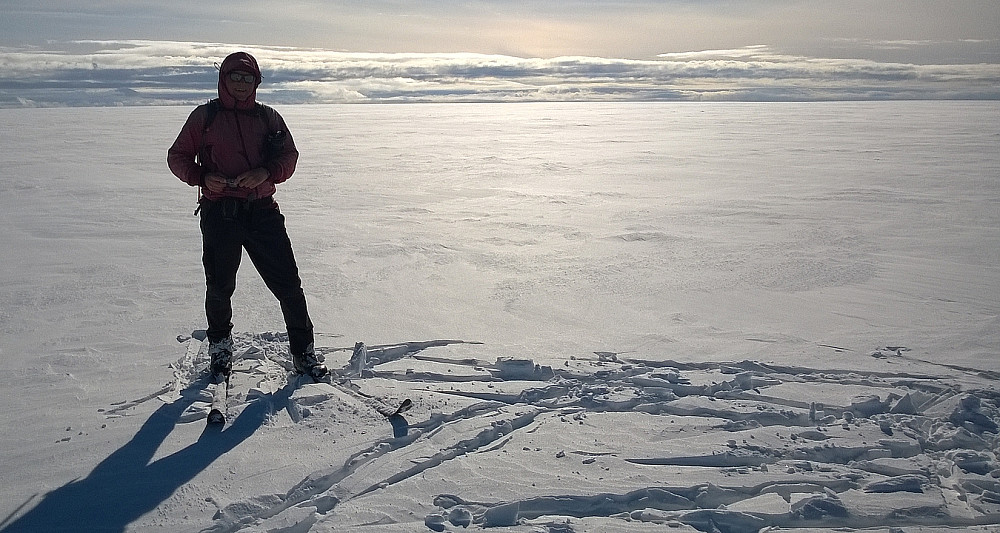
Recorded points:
(904, 483)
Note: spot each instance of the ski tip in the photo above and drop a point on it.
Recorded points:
(403, 407)
(216, 417)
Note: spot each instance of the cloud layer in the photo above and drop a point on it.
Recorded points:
(138, 72)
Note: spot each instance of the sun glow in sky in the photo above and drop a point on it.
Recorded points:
(142, 52)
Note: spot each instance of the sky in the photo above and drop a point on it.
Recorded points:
(135, 52)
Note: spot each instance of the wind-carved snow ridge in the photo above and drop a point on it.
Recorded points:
(603, 443)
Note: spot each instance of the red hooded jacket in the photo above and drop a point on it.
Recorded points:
(234, 141)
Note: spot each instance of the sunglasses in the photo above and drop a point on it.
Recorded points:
(245, 78)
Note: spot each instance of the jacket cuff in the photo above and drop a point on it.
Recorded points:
(272, 170)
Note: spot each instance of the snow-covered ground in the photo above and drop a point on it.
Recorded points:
(609, 317)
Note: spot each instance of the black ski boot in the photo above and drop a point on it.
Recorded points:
(221, 353)
(307, 363)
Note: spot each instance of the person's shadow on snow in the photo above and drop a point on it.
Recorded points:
(126, 485)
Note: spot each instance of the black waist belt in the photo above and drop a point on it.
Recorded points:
(231, 208)
(245, 203)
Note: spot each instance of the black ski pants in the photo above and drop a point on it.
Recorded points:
(227, 227)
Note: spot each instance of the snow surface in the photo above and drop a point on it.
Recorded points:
(610, 317)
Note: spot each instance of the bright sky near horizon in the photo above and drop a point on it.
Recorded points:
(387, 50)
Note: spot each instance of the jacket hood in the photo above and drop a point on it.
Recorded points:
(238, 61)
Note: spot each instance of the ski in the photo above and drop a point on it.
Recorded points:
(359, 367)
(220, 399)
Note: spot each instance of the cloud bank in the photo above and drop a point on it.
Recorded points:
(138, 72)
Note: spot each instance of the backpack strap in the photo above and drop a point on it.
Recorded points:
(211, 110)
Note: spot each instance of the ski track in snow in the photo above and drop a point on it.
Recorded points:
(728, 447)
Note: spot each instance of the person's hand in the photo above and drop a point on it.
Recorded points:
(215, 182)
(252, 178)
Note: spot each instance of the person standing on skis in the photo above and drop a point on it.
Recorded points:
(236, 150)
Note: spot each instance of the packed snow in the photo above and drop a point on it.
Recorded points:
(608, 317)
